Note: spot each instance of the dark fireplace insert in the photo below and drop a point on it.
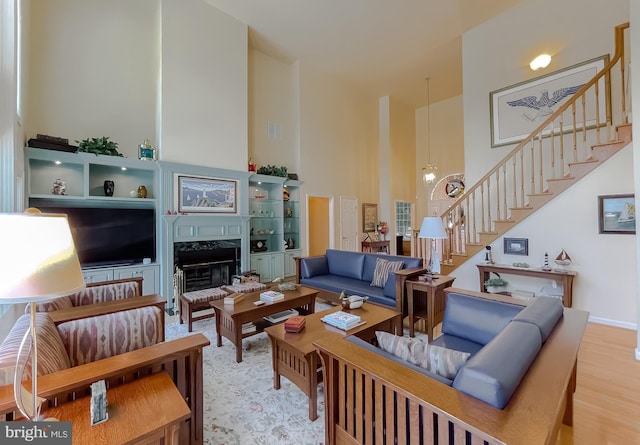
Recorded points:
(205, 264)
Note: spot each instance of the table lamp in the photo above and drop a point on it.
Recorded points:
(433, 229)
(38, 261)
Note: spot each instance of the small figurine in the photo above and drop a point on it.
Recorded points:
(59, 187)
(546, 266)
(488, 258)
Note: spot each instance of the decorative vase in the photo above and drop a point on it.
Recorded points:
(142, 191)
(109, 187)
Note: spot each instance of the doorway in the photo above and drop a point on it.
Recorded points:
(349, 224)
(320, 224)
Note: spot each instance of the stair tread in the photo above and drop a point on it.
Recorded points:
(564, 178)
(586, 161)
(503, 221)
(541, 194)
(487, 233)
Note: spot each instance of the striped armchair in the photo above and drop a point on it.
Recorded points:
(100, 292)
(81, 341)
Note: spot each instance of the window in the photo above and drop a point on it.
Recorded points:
(403, 219)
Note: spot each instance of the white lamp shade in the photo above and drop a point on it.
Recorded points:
(38, 259)
(432, 227)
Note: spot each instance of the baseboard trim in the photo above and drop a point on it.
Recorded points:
(616, 323)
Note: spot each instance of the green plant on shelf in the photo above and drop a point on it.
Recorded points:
(495, 282)
(99, 146)
(272, 170)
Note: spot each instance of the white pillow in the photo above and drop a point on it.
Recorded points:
(444, 362)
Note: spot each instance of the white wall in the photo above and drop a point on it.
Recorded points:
(521, 33)
(635, 105)
(605, 264)
(338, 139)
(204, 86)
(605, 285)
(93, 70)
(272, 99)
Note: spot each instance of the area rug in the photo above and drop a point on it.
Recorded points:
(240, 405)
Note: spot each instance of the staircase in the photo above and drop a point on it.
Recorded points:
(573, 141)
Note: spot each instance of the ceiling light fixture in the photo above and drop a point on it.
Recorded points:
(542, 61)
(429, 172)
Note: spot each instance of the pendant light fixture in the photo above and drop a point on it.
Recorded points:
(429, 172)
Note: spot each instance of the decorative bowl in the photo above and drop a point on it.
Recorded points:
(353, 302)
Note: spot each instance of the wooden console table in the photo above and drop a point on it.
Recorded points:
(375, 246)
(146, 411)
(564, 277)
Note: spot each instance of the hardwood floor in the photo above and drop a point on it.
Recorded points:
(607, 398)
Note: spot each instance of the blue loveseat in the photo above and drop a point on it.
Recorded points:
(341, 270)
(502, 338)
(516, 387)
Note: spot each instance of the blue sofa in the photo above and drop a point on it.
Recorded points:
(340, 270)
(502, 338)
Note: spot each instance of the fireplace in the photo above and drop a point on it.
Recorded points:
(205, 264)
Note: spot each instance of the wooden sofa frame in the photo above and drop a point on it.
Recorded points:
(402, 276)
(372, 400)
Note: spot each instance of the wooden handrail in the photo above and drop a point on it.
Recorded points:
(539, 157)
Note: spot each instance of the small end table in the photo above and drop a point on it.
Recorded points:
(376, 246)
(432, 307)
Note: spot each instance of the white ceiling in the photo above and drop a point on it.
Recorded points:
(387, 47)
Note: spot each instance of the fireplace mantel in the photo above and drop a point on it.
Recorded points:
(185, 228)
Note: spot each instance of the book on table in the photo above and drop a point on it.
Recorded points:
(248, 327)
(271, 296)
(295, 323)
(342, 320)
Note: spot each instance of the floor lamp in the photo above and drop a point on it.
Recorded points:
(433, 229)
(38, 261)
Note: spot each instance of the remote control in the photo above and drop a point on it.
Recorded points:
(258, 303)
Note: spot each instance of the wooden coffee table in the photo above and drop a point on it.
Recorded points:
(295, 357)
(230, 318)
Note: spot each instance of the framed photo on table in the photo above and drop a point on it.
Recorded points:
(519, 109)
(206, 195)
(617, 214)
(369, 217)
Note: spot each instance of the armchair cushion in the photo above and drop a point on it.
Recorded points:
(52, 356)
(442, 361)
(107, 292)
(89, 339)
(63, 302)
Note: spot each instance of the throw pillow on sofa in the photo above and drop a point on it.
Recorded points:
(383, 268)
(444, 362)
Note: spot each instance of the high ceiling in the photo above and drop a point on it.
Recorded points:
(387, 47)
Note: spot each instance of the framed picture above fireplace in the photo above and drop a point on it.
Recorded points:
(206, 195)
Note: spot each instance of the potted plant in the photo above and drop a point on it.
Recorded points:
(99, 146)
(495, 285)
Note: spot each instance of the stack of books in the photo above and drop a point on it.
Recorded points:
(271, 296)
(295, 323)
(342, 320)
(248, 327)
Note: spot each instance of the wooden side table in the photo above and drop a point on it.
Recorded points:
(565, 277)
(294, 355)
(146, 411)
(432, 307)
(375, 246)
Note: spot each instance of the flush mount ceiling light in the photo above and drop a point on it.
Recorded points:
(542, 61)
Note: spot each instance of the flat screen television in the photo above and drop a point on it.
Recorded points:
(107, 236)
